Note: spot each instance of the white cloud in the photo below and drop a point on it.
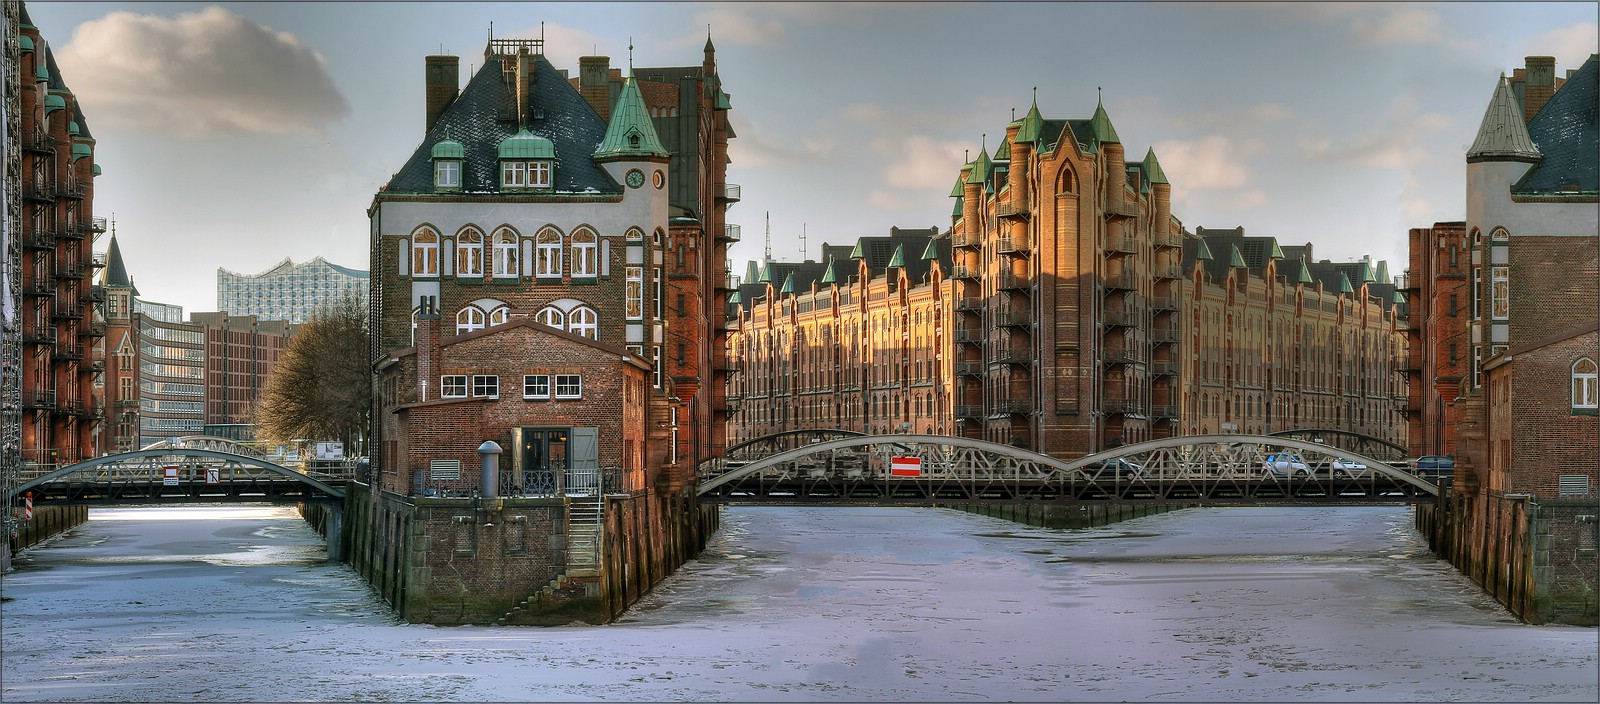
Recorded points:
(210, 72)
(920, 162)
(1570, 45)
(1392, 143)
(1209, 163)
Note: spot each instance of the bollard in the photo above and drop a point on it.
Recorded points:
(490, 452)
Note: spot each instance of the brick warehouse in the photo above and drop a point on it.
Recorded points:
(519, 277)
(1067, 328)
(1520, 516)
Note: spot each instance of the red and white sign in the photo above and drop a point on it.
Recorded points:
(27, 507)
(905, 466)
(169, 476)
(213, 475)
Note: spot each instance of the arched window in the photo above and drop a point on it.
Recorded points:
(585, 248)
(584, 321)
(499, 315)
(552, 316)
(1585, 377)
(549, 244)
(505, 254)
(425, 253)
(469, 253)
(468, 319)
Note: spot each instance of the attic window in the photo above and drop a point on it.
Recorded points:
(633, 140)
(525, 174)
(447, 173)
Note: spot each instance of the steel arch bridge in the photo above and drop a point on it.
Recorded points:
(181, 475)
(1199, 469)
(1350, 441)
(205, 442)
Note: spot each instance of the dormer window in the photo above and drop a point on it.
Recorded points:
(526, 161)
(447, 157)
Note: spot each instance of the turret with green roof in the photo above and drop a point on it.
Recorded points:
(631, 133)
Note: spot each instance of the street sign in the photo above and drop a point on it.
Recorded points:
(169, 476)
(905, 467)
(213, 475)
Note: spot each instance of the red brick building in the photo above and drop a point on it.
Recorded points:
(241, 352)
(1441, 303)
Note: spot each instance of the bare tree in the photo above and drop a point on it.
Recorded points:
(321, 387)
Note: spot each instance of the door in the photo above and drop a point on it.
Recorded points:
(539, 459)
(583, 477)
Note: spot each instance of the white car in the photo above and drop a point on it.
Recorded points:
(1286, 464)
(1346, 468)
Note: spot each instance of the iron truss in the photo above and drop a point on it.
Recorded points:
(1205, 469)
(181, 475)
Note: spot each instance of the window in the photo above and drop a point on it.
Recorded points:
(634, 293)
(1499, 292)
(499, 315)
(584, 251)
(468, 319)
(469, 253)
(447, 173)
(657, 363)
(453, 386)
(552, 317)
(1585, 376)
(505, 254)
(549, 244)
(584, 321)
(539, 174)
(1452, 305)
(514, 174)
(486, 385)
(536, 386)
(569, 386)
(425, 253)
(1472, 300)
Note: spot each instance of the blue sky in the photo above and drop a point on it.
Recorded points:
(234, 135)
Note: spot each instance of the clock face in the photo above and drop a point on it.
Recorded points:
(635, 178)
(660, 179)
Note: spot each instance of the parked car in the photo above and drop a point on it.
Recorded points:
(1286, 464)
(1434, 467)
(1113, 468)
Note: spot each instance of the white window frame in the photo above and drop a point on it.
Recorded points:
(539, 174)
(486, 386)
(425, 253)
(447, 173)
(1585, 384)
(500, 315)
(585, 247)
(513, 174)
(548, 245)
(633, 296)
(469, 253)
(584, 321)
(551, 316)
(536, 386)
(468, 319)
(1500, 292)
(567, 386)
(505, 255)
(453, 386)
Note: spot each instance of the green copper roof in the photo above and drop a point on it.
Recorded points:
(1305, 274)
(1103, 130)
(959, 208)
(766, 273)
(1344, 284)
(72, 128)
(631, 132)
(53, 103)
(857, 252)
(828, 277)
(1383, 272)
(1234, 257)
(1399, 297)
(1201, 251)
(96, 169)
(448, 148)
(1366, 273)
(752, 272)
(24, 43)
(957, 190)
(1153, 172)
(527, 145)
(932, 250)
(899, 258)
(81, 150)
(722, 101)
(1503, 134)
(1004, 152)
(788, 284)
(40, 72)
(1031, 124)
(735, 297)
(980, 168)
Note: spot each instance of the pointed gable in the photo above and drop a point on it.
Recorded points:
(1502, 134)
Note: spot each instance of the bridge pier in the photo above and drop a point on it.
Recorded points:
(334, 532)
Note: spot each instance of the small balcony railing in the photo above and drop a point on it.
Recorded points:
(730, 192)
(1126, 282)
(966, 239)
(969, 367)
(969, 411)
(1121, 405)
(1124, 316)
(1122, 355)
(1122, 245)
(969, 336)
(1009, 245)
(1013, 355)
(731, 232)
(1014, 318)
(1164, 335)
(1164, 367)
(970, 304)
(1009, 281)
(962, 271)
(1167, 271)
(1014, 405)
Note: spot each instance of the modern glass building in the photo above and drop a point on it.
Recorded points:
(287, 291)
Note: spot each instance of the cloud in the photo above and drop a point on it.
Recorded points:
(202, 73)
(1392, 143)
(757, 148)
(920, 162)
(1570, 45)
(1209, 163)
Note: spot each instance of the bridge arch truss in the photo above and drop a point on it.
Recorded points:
(180, 475)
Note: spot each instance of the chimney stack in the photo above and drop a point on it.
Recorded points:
(524, 85)
(593, 83)
(1541, 85)
(441, 85)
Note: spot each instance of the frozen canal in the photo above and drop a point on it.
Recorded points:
(804, 604)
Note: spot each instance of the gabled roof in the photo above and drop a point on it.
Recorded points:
(1567, 133)
(116, 272)
(485, 114)
(1502, 136)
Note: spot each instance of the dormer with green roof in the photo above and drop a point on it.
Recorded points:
(1344, 284)
(1235, 258)
(1154, 174)
(447, 156)
(829, 277)
(899, 258)
(526, 162)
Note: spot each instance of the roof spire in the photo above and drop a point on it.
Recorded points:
(630, 56)
(1503, 135)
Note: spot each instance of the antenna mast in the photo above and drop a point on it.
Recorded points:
(802, 241)
(769, 235)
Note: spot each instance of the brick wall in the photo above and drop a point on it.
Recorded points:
(1555, 285)
(1546, 438)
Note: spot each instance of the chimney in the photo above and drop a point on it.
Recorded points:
(593, 83)
(1541, 85)
(442, 84)
(427, 347)
(524, 85)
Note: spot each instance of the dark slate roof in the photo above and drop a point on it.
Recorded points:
(1051, 133)
(1297, 251)
(1565, 130)
(474, 120)
(83, 127)
(1083, 132)
(55, 73)
(1327, 273)
(116, 273)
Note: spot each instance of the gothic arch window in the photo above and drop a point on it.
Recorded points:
(1500, 234)
(425, 252)
(584, 321)
(1067, 182)
(505, 254)
(585, 253)
(549, 261)
(1585, 394)
(469, 253)
(468, 319)
(552, 316)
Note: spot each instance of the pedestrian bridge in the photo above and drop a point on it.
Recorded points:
(180, 474)
(832, 466)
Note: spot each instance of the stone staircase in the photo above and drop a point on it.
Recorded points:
(585, 518)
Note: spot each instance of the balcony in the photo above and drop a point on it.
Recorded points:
(1163, 303)
(970, 368)
(39, 141)
(1014, 405)
(729, 193)
(966, 239)
(1011, 282)
(93, 330)
(962, 271)
(126, 403)
(38, 191)
(1121, 405)
(1126, 282)
(1122, 355)
(71, 188)
(969, 336)
(731, 232)
(66, 311)
(45, 335)
(1124, 316)
(39, 239)
(96, 294)
(99, 224)
(38, 400)
(969, 411)
(1013, 318)
(1011, 246)
(98, 261)
(1013, 355)
(1122, 245)
(69, 353)
(1124, 208)
(1168, 239)
(1167, 271)
(1011, 209)
(70, 406)
(1164, 367)
(970, 305)
(1164, 411)
(1164, 335)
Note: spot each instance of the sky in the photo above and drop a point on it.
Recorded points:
(236, 135)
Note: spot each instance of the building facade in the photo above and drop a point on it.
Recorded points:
(1067, 311)
(1441, 301)
(10, 269)
(241, 352)
(61, 415)
(172, 365)
(288, 291)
